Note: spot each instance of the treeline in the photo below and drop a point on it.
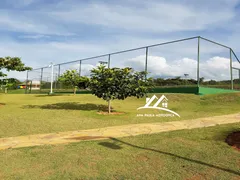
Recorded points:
(10, 83)
(13, 83)
(157, 82)
(173, 82)
(178, 82)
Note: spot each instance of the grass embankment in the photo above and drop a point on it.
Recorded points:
(33, 114)
(187, 154)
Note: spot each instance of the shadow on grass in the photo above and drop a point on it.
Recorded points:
(222, 137)
(50, 95)
(110, 145)
(70, 106)
(117, 145)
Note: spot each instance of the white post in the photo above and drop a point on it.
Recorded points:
(51, 79)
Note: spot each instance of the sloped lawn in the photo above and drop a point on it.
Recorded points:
(22, 114)
(186, 154)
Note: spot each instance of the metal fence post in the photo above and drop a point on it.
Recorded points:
(109, 60)
(59, 70)
(146, 62)
(80, 67)
(198, 63)
(26, 83)
(239, 74)
(231, 74)
(41, 79)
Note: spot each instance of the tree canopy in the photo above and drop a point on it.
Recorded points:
(72, 78)
(117, 83)
(10, 83)
(12, 64)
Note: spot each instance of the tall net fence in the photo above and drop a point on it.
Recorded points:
(214, 66)
(191, 62)
(235, 72)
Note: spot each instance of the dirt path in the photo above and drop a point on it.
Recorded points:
(114, 132)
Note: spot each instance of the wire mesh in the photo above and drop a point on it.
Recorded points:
(236, 72)
(188, 62)
(214, 66)
(174, 64)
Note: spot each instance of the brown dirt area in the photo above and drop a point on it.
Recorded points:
(233, 139)
(112, 113)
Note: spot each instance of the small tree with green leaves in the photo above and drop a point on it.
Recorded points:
(117, 83)
(73, 79)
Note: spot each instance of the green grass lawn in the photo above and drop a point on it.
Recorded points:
(32, 114)
(186, 154)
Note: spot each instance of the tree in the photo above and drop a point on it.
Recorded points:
(10, 83)
(116, 83)
(12, 64)
(201, 80)
(73, 79)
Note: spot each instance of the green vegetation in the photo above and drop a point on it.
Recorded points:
(171, 82)
(10, 83)
(116, 83)
(175, 82)
(12, 64)
(15, 91)
(73, 79)
(186, 154)
(207, 90)
(32, 114)
(172, 85)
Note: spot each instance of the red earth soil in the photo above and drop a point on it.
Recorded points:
(233, 139)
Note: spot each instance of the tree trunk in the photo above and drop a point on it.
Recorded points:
(74, 90)
(109, 106)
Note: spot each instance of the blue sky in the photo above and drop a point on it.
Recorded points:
(44, 31)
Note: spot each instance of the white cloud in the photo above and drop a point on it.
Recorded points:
(100, 28)
(86, 69)
(164, 62)
(218, 63)
(23, 2)
(68, 17)
(153, 16)
(216, 68)
(31, 22)
(36, 36)
(20, 3)
(41, 54)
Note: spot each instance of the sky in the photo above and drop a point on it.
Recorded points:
(45, 31)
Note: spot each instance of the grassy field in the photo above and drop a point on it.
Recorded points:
(32, 114)
(187, 154)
